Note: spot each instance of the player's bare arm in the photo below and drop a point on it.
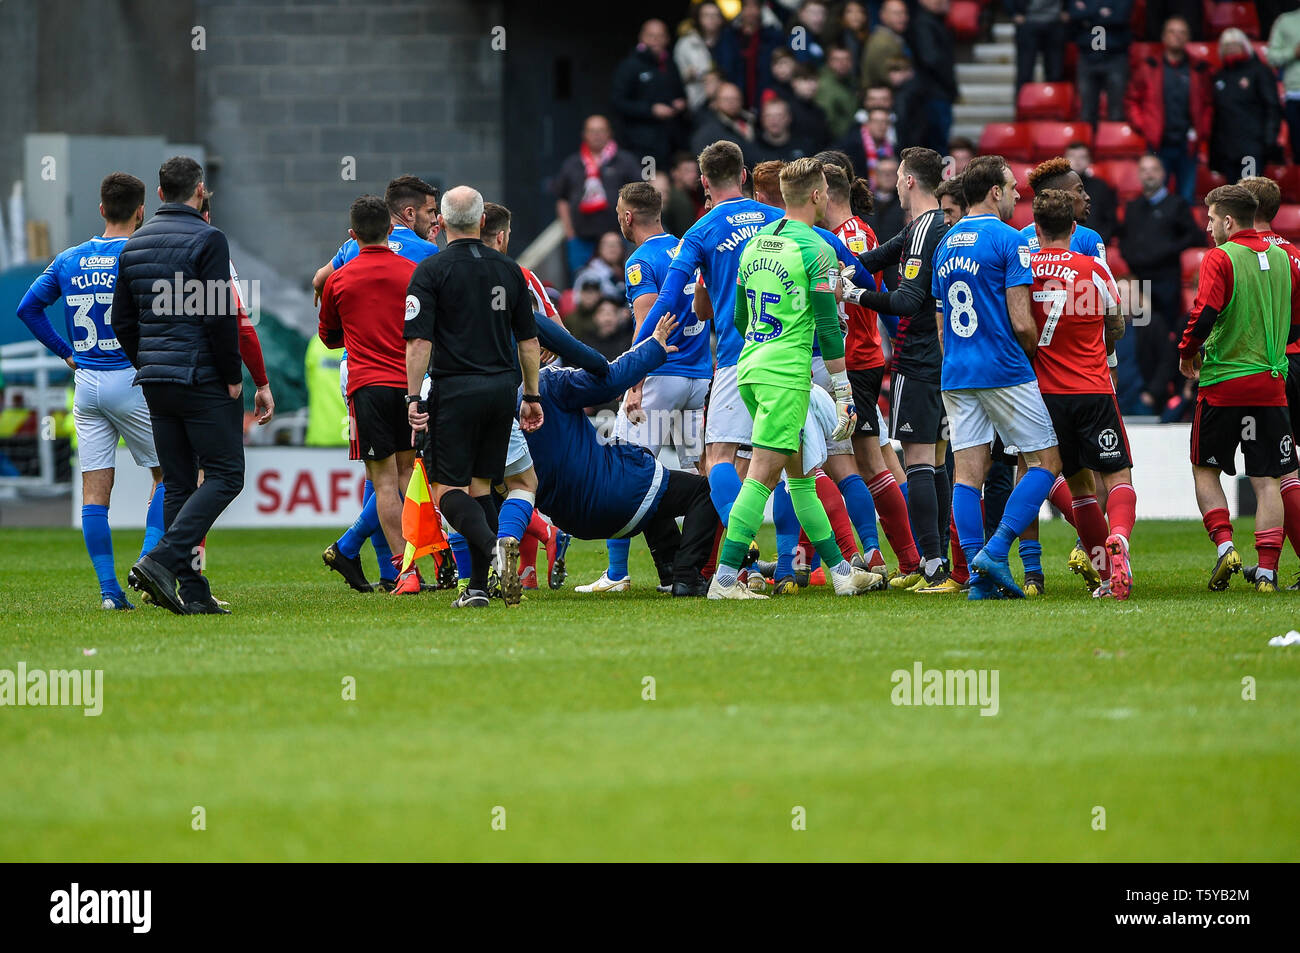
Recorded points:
(1022, 318)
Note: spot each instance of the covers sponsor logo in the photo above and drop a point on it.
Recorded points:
(693, 329)
(412, 307)
(912, 268)
(961, 239)
(394, 246)
(99, 261)
(746, 218)
(770, 244)
(857, 245)
(634, 274)
(1024, 256)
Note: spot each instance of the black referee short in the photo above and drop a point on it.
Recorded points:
(379, 424)
(469, 423)
(1090, 432)
(866, 397)
(1264, 433)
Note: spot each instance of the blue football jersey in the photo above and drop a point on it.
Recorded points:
(1084, 241)
(977, 261)
(644, 273)
(713, 245)
(402, 241)
(84, 276)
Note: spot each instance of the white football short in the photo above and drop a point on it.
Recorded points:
(673, 409)
(1018, 414)
(822, 378)
(728, 419)
(107, 405)
(518, 459)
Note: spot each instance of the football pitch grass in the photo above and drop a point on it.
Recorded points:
(1135, 709)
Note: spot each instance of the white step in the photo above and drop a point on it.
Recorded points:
(982, 113)
(994, 93)
(994, 53)
(1003, 74)
(971, 131)
(1004, 32)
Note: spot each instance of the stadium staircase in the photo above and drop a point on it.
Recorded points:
(987, 84)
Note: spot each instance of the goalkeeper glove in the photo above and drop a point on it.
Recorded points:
(844, 409)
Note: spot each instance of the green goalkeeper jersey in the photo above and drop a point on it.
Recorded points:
(783, 299)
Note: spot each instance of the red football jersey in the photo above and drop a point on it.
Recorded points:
(541, 300)
(1071, 295)
(362, 308)
(862, 350)
(1273, 238)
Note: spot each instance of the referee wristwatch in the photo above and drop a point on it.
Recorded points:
(413, 399)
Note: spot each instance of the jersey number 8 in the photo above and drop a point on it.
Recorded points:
(961, 309)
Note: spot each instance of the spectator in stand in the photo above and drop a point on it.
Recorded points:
(1157, 228)
(684, 202)
(582, 319)
(1103, 55)
(1101, 197)
(606, 267)
(910, 116)
(611, 332)
(934, 56)
(1040, 28)
(704, 43)
(647, 94)
(869, 143)
(809, 122)
(852, 31)
(587, 188)
(1169, 102)
(961, 150)
(1284, 54)
(783, 67)
(751, 70)
(1159, 11)
(887, 218)
(806, 32)
(886, 43)
(775, 139)
(837, 90)
(726, 119)
(1247, 112)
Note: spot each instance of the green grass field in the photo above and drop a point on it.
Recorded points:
(1133, 707)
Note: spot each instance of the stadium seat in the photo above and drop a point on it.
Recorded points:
(1048, 139)
(1191, 265)
(1287, 178)
(567, 302)
(1121, 175)
(964, 20)
(1007, 139)
(1118, 266)
(1021, 171)
(1201, 215)
(1023, 214)
(1206, 180)
(1138, 18)
(1207, 52)
(1287, 223)
(1047, 101)
(1219, 15)
(1118, 140)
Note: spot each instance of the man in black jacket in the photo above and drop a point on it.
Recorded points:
(647, 93)
(177, 321)
(1103, 34)
(935, 58)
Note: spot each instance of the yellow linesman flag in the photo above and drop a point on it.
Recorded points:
(421, 521)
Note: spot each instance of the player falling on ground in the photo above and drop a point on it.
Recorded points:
(1076, 309)
(916, 410)
(784, 297)
(668, 406)
(413, 207)
(106, 402)
(982, 283)
(1235, 345)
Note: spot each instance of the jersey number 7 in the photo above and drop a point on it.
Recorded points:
(1056, 297)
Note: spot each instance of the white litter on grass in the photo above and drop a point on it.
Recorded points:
(93, 651)
(1291, 638)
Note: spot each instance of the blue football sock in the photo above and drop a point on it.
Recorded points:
(99, 543)
(724, 487)
(1022, 507)
(460, 552)
(862, 510)
(513, 518)
(1031, 555)
(365, 527)
(153, 521)
(787, 530)
(967, 515)
(618, 550)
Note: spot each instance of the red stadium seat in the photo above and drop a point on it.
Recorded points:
(1220, 15)
(1047, 101)
(1287, 223)
(1121, 175)
(1118, 140)
(1021, 171)
(1023, 214)
(567, 302)
(1201, 214)
(1048, 139)
(1007, 139)
(1207, 180)
(1208, 52)
(1118, 266)
(1191, 265)
(1287, 178)
(964, 20)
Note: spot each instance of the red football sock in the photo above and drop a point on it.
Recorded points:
(831, 499)
(711, 566)
(1091, 524)
(538, 531)
(1218, 525)
(892, 510)
(1121, 507)
(960, 572)
(1291, 512)
(1063, 500)
(1268, 543)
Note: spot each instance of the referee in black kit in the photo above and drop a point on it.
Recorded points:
(469, 305)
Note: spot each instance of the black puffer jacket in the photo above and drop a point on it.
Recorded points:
(169, 340)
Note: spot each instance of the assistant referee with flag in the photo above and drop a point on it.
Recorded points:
(468, 306)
